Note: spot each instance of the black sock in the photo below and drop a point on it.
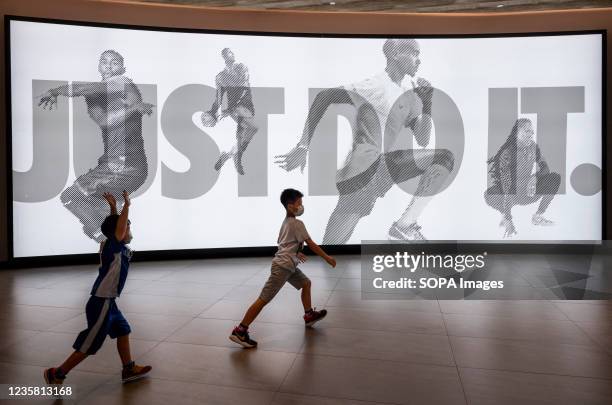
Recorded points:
(129, 365)
(243, 327)
(308, 311)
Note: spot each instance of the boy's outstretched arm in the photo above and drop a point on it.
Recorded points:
(122, 223)
(316, 249)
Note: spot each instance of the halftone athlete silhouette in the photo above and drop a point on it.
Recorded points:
(520, 176)
(394, 101)
(115, 105)
(233, 82)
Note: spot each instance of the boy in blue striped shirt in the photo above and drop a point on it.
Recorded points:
(103, 316)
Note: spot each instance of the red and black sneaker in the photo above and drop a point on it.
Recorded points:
(53, 377)
(314, 316)
(241, 336)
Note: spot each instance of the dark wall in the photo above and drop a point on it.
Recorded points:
(293, 21)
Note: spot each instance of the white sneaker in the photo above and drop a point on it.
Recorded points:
(411, 232)
(539, 220)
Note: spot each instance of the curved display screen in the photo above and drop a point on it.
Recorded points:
(489, 138)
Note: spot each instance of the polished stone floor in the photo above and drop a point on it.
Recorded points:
(365, 351)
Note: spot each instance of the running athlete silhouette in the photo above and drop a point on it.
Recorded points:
(233, 82)
(115, 105)
(395, 101)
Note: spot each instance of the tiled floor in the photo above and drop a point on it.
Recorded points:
(366, 351)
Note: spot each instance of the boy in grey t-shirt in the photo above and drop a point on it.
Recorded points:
(284, 269)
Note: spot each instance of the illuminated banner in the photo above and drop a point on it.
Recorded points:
(455, 138)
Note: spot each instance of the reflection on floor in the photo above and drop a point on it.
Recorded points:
(365, 351)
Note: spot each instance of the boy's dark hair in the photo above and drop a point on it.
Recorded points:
(289, 196)
(109, 226)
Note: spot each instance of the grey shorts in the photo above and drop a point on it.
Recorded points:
(278, 278)
(113, 178)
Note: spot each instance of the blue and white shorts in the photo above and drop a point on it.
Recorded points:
(103, 318)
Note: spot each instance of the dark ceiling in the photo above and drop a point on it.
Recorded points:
(397, 6)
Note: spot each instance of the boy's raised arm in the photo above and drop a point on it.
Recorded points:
(123, 218)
